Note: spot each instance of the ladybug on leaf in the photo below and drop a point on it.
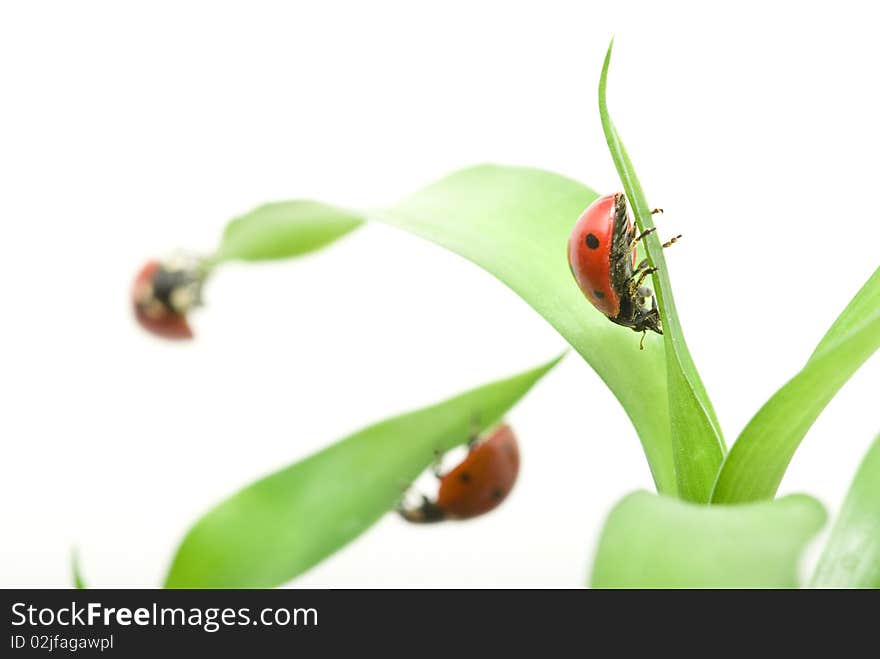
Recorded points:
(602, 253)
(477, 485)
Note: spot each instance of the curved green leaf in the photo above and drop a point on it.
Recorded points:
(514, 222)
(283, 524)
(697, 442)
(653, 541)
(758, 460)
(282, 230)
(852, 556)
(863, 305)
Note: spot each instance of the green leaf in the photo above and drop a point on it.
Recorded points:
(852, 556)
(76, 572)
(758, 460)
(283, 230)
(697, 442)
(514, 222)
(863, 305)
(283, 524)
(653, 541)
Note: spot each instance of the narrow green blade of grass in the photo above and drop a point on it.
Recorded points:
(757, 462)
(514, 223)
(75, 571)
(283, 524)
(282, 230)
(652, 541)
(852, 556)
(697, 443)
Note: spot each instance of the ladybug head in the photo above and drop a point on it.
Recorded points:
(427, 512)
(163, 293)
(651, 321)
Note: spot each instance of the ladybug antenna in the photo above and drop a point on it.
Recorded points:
(474, 429)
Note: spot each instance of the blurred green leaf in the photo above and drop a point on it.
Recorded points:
(76, 572)
(652, 541)
(283, 524)
(758, 460)
(697, 443)
(514, 222)
(282, 230)
(852, 556)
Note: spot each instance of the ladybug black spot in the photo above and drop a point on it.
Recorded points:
(464, 477)
(592, 241)
(599, 295)
(497, 494)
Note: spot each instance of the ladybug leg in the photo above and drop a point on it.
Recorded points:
(475, 430)
(656, 210)
(646, 232)
(437, 466)
(642, 275)
(671, 241)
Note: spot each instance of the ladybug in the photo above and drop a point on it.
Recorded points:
(163, 293)
(477, 485)
(602, 251)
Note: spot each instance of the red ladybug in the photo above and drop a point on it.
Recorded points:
(162, 294)
(602, 252)
(477, 485)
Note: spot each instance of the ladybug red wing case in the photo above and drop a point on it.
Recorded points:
(483, 479)
(602, 253)
(477, 485)
(589, 255)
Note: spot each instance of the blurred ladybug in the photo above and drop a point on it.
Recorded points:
(477, 485)
(163, 293)
(602, 252)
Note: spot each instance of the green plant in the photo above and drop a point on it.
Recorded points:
(513, 223)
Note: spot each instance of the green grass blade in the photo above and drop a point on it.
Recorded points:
(76, 572)
(514, 223)
(697, 441)
(282, 230)
(852, 556)
(283, 524)
(758, 460)
(653, 541)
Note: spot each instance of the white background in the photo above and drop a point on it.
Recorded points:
(125, 133)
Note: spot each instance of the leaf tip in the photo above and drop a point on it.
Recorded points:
(603, 81)
(608, 56)
(76, 573)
